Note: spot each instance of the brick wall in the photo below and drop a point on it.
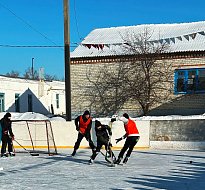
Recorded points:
(177, 130)
(177, 104)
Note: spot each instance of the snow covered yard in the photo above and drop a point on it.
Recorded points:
(146, 169)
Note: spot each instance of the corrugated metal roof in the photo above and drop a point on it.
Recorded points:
(180, 36)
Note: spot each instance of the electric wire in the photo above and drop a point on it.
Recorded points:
(76, 21)
(26, 23)
(32, 46)
(34, 29)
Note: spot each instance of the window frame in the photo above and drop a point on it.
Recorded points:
(57, 101)
(2, 107)
(30, 103)
(17, 102)
(194, 79)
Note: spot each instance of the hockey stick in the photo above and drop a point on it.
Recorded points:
(109, 150)
(109, 153)
(31, 153)
(14, 150)
(112, 156)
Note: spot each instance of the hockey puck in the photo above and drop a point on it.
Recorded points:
(191, 162)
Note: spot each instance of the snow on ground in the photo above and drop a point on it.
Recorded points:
(30, 116)
(106, 120)
(146, 169)
(171, 117)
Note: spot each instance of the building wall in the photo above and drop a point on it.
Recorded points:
(184, 104)
(177, 130)
(80, 100)
(177, 134)
(189, 62)
(43, 94)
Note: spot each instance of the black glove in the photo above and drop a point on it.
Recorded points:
(110, 144)
(118, 140)
(113, 119)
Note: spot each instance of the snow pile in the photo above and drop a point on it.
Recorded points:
(30, 116)
(106, 120)
(171, 117)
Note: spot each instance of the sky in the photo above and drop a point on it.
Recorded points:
(40, 23)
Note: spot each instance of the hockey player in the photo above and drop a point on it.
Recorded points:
(132, 137)
(7, 135)
(103, 133)
(83, 126)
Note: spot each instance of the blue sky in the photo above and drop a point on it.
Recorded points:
(40, 23)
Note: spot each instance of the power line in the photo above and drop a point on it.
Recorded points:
(76, 22)
(30, 26)
(26, 23)
(32, 46)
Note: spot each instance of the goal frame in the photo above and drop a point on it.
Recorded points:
(48, 138)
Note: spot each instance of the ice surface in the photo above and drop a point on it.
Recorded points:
(146, 169)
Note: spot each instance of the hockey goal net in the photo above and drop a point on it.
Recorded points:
(34, 136)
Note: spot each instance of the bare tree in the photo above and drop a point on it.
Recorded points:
(145, 78)
(151, 81)
(13, 73)
(107, 89)
(31, 74)
(50, 77)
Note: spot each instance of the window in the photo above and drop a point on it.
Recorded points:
(17, 103)
(188, 81)
(30, 103)
(57, 100)
(201, 80)
(181, 81)
(2, 102)
(191, 81)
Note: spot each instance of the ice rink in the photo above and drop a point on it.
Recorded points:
(146, 169)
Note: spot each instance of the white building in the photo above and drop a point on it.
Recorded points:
(26, 95)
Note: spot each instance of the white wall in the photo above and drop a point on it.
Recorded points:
(65, 134)
(42, 98)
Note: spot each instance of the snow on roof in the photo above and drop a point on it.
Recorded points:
(180, 36)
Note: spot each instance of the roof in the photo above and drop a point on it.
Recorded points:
(182, 37)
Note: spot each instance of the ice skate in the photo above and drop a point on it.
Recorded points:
(125, 160)
(91, 161)
(12, 154)
(73, 154)
(4, 155)
(118, 161)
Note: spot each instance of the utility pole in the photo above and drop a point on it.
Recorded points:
(67, 59)
(32, 69)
